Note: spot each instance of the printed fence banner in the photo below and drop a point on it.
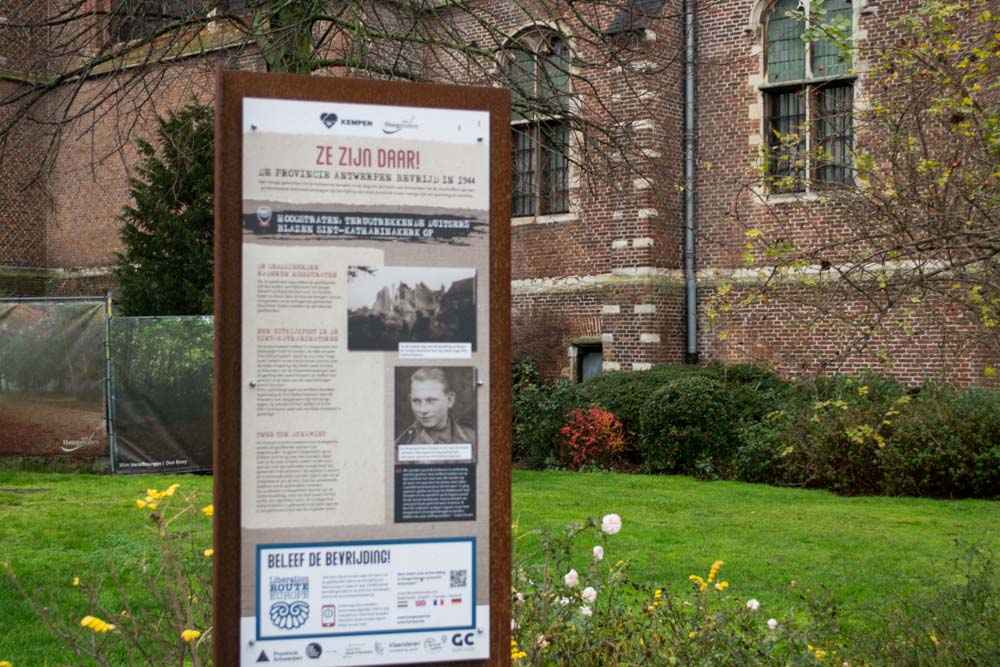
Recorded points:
(52, 378)
(162, 393)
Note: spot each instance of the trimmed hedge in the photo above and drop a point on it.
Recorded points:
(863, 435)
(945, 444)
(685, 423)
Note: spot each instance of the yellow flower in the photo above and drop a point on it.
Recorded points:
(5, 663)
(820, 654)
(699, 582)
(140, 503)
(208, 510)
(170, 489)
(722, 585)
(208, 553)
(190, 635)
(76, 581)
(151, 506)
(714, 571)
(658, 594)
(933, 639)
(692, 634)
(96, 624)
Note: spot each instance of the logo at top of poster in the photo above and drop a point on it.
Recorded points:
(289, 616)
(329, 119)
(73, 445)
(264, 216)
(391, 127)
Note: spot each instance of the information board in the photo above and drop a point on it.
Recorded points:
(371, 441)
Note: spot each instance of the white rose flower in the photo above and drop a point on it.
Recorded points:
(753, 605)
(585, 611)
(572, 579)
(611, 523)
(598, 552)
(589, 594)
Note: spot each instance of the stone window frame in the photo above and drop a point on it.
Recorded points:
(532, 130)
(130, 24)
(130, 20)
(799, 101)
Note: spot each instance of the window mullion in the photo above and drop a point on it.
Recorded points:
(538, 166)
(808, 45)
(811, 129)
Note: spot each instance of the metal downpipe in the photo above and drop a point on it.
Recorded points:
(690, 280)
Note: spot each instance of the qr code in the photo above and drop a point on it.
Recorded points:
(459, 578)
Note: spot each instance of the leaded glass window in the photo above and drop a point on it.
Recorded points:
(538, 68)
(808, 96)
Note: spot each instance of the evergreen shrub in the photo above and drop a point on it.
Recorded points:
(624, 393)
(945, 444)
(684, 423)
(539, 412)
(837, 435)
(168, 227)
(864, 435)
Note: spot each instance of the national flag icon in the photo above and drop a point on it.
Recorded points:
(421, 603)
(402, 603)
(456, 600)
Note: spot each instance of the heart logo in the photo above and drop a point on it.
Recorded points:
(264, 216)
(329, 119)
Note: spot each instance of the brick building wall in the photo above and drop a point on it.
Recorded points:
(605, 272)
(804, 326)
(61, 194)
(22, 197)
(90, 185)
(609, 271)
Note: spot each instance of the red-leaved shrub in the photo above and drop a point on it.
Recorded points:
(593, 436)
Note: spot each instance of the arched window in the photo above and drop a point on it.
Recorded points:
(808, 96)
(538, 64)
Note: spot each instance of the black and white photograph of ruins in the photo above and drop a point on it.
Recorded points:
(390, 305)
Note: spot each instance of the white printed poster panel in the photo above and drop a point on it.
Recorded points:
(415, 647)
(364, 588)
(365, 249)
(307, 454)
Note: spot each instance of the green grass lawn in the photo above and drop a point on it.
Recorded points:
(868, 551)
(54, 527)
